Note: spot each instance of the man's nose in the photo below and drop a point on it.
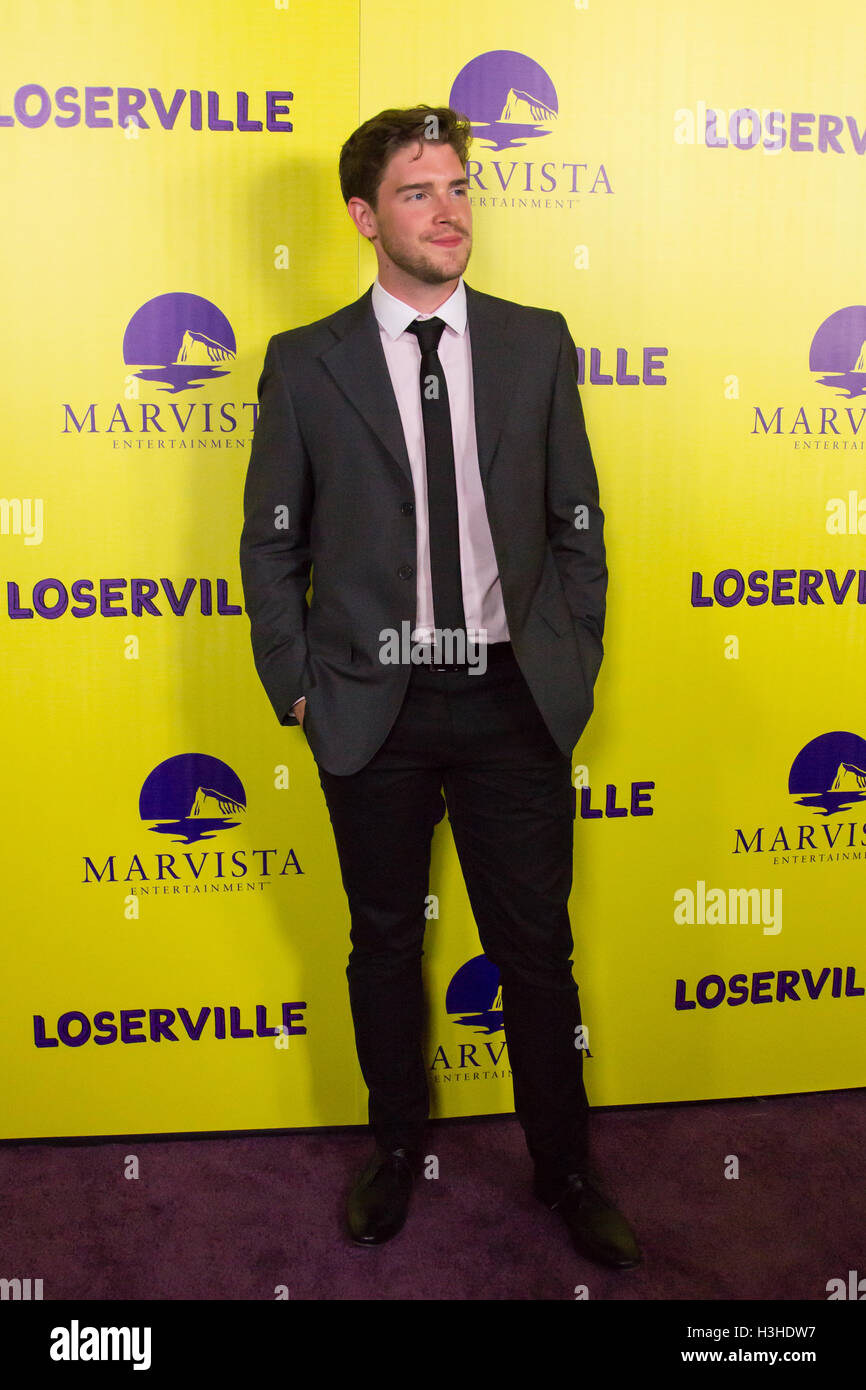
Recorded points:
(445, 207)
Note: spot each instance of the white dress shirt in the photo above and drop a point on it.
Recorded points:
(482, 594)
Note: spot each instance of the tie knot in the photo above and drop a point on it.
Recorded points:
(428, 333)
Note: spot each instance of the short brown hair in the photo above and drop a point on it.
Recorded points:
(367, 151)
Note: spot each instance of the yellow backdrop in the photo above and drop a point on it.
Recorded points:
(684, 185)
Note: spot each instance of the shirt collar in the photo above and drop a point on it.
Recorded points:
(395, 316)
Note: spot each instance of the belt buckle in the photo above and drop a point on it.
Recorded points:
(454, 666)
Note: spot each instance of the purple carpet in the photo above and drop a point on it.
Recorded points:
(236, 1216)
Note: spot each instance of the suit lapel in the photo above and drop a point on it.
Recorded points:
(357, 363)
(496, 352)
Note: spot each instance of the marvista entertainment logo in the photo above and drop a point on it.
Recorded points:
(511, 101)
(473, 1000)
(189, 798)
(176, 343)
(180, 339)
(828, 777)
(837, 360)
(192, 796)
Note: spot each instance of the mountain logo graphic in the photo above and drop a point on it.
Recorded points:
(191, 797)
(181, 340)
(829, 774)
(508, 97)
(838, 352)
(476, 996)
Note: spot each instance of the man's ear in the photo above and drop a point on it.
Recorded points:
(363, 217)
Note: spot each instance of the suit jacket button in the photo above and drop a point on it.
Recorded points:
(407, 508)
(405, 571)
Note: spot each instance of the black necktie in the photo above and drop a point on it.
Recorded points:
(448, 611)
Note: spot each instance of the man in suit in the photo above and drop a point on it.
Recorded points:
(422, 451)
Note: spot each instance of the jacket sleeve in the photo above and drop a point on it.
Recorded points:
(575, 522)
(275, 554)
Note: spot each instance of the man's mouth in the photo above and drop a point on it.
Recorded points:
(452, 240)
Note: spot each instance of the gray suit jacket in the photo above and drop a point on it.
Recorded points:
(329, 497)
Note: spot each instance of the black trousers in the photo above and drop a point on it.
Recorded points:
(481, 739)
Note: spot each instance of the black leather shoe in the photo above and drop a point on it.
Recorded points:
(379, 1201)
(597, 1229)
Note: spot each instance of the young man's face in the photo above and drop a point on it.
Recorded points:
(422, 226)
